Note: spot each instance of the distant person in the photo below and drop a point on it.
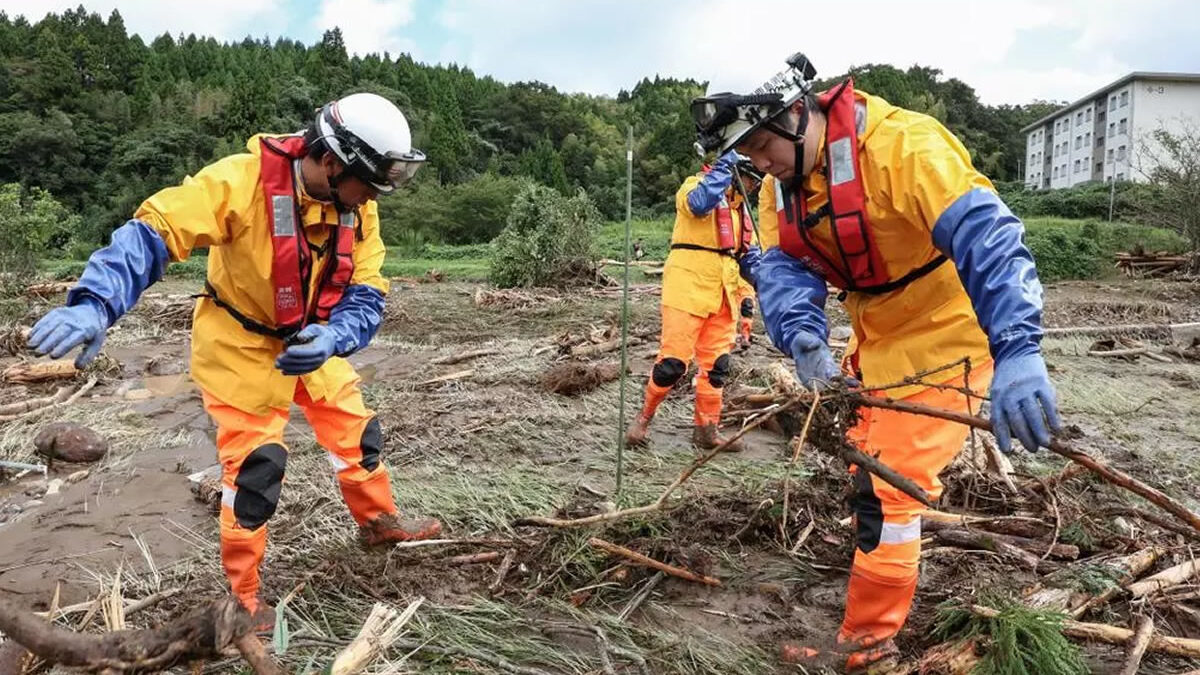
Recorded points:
(700, 299)
(293, 286)
(638, 252)
(884, 204)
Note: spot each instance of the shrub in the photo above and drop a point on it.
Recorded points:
(548, 240)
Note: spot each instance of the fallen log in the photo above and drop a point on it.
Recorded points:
(1057, 550)
(1114, 635)
(645, 561)
(1133, 566)
(986, 542)
(1138, 645)
(1169, 577)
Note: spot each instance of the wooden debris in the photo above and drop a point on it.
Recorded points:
(1120, 328)
(1114, 635)
(382, 628)
(512, 299)
(968, 539)
(1162, 263)
(640, 559)
(464, 356)
(1138, 645)
(39, 371)
(64, 396)
(473, 558)
(48, 288)
(15, 340)
(502, 572)
(450, 377)
(1057, 550)
(601, 348)
(950, 658)
(1169, 577)
(572, 378)
(1131, 566)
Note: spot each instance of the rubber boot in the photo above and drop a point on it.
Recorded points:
(391, 528)
(635, 435)
(262, 613)
(705, 435)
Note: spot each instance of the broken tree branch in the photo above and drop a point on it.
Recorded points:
(1151, 518)
(449, 377)
(1138, 645)
(64, 396)
(987, 542)
(652, 563)
(1169, 577)
(1114, 635)
(1057, 446)
(464, 356)
(1135, 565)
(1057, 550)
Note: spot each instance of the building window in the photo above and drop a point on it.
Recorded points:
(1112, 129)
(1077, 165)
(1087, 138)
(1110, 155)
(1124, 99)
(1079, 118)
(1089, 114)
(1112, 104)
(1120, 176)
(1122, 126)
(1056, 172)
(1078, 142)
(1120, 153)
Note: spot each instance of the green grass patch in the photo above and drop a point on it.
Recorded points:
(462, 269)
(1083, 249)
(655, 236)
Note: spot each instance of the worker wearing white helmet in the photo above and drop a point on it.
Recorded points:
(293, 286)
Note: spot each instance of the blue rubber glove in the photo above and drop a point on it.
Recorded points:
(748, 263)
(986, 242)
(356, 318)
(112, 281)
(314, 345)
(65, 328)
(815, 366)
(707, 195)
(1023, 402)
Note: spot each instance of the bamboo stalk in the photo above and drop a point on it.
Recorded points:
(651, 562)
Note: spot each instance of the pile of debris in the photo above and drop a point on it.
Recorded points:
(1142, 264)
(511, 298)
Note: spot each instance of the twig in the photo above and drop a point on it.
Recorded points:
(452, 542)
(1138, 645)
(752, 520)
(1151, 518)
(502, 573)
(605, 662)
(641, 596)
(1052, 499)
(450, 377)
(131, 608)
(804, 534)
(651, 562)
(1135, 351)
(798, 443)
(62, 397)
(472, 558)
(464, 356)
(872, 465)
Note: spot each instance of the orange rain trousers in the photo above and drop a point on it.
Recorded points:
(252, 455)
(883, 577)
(705, 339)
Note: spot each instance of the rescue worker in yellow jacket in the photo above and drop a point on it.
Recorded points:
(884, 204)
(700, 299)
(293, 287)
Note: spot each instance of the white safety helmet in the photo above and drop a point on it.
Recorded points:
(724, 120)
(370, 135)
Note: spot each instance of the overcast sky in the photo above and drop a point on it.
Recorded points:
(1011, 51)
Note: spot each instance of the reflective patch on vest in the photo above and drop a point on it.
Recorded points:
(228, 495)
(338, 463)
(860, 117)
(778, 197)
(901, 534)
(346, 219)
(841, 162)
(284, 210)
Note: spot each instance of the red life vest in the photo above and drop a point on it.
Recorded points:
(292, 260)
(725, 239)
(861, 266)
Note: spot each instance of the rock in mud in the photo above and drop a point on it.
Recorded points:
(69, 442)
(166, 365)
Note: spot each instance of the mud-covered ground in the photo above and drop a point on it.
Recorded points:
(491, 446)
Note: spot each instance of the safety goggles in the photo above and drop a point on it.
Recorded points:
(384, 172)
(724, 120)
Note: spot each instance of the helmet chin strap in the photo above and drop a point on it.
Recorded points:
(334, 197)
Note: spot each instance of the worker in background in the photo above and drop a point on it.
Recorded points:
(293, 287)
(884, 204)
(700, 299)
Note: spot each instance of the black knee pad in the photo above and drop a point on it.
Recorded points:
(747, 308)
(371, 444)
(720, 371)
(258, 485)
(668, 371)
(868, 511)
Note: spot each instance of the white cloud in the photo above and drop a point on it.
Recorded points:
(368, 25)
(226, 20)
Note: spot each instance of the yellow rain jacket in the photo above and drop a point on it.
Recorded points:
(694, 281)
(929, 322)
(223, 207)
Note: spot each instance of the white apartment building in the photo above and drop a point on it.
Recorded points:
(1097, 137)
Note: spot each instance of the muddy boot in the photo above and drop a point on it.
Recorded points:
(390, 528)
(706, 437)
(635, 436)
